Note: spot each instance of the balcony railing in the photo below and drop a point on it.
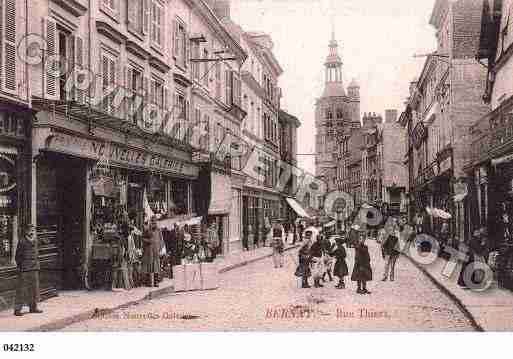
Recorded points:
(493, 132)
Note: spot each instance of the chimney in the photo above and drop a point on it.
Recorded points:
(390, 116)
(222, 8)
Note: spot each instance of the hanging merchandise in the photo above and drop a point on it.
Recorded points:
(148, 212)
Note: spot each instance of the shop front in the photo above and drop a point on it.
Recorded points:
(14, 194)
(85, 183)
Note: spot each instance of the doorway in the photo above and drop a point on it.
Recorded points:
(71, 174)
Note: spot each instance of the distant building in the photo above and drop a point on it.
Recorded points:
(337, 113)
(444, 102)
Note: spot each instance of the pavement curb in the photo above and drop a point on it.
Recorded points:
(450, 295)
(154, 294)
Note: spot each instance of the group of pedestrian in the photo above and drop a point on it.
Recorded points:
(323, 257)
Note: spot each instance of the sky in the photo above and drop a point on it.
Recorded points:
(377, 40)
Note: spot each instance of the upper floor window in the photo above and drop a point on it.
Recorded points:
(157, 92)
(136, 15)
(340, 113)
(329, 114)
(180, 43)
(157, 23)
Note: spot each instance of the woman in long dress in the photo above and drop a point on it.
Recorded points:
(362, 271)
(340, 270)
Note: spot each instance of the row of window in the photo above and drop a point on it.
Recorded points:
(328, 113)
(144, 17)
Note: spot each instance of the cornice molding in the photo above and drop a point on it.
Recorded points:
(107, 30)
(75, 7)
(137, 50)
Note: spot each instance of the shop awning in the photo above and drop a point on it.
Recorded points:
(297, 208)
(220, 194)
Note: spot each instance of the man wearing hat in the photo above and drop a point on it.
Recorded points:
(278, 234)
(27, 288)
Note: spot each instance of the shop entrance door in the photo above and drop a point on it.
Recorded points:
(71, 193)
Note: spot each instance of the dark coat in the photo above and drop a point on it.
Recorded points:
(316, 249)
(26, 256)
(340, 270)
(151, 251)
(390, 246)
(362, 270)
(303, 269)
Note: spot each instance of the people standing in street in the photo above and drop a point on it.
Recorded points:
(190, 248)
(391, 251)
(340, 270)
(294, 233)
(419, 223)
(153, 242)
(301, 229)
(317, 261)
(132, 257)
(267, 230)
(303, 269)
(213, 241)
(362, 271)
(27, 261)
(328, 260)
(278, 233)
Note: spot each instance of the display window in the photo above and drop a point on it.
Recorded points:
(8, 209)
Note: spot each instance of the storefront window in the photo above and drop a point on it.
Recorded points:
(8, 208)
(179, 197)
(157, 196)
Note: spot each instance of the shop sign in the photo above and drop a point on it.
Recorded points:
(119, 154)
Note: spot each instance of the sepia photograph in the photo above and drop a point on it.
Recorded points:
(255, 166)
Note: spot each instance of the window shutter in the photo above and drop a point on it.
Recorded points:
(10, 81)
(152, 92)
(128, 93)
(131, 19)
(175, 46)
(51, 84)
(79, 64)
(166, 100)
(187, 49)
(146, 16)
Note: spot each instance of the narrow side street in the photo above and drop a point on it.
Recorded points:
(259, 297)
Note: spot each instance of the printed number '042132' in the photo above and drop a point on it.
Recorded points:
(18, 347)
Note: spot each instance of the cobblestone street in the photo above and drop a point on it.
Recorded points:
(259, 297)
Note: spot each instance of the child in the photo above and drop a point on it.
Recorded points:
(362, 271)
(340, 270)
